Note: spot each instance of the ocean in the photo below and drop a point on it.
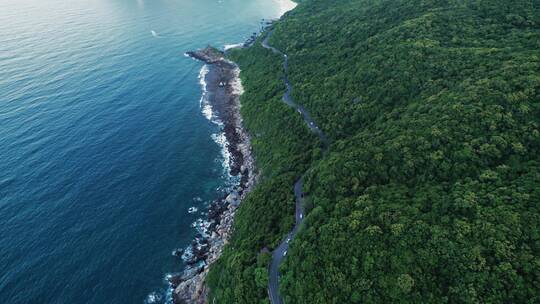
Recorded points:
(105, 144)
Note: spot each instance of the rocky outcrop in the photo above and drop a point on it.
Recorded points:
(189, 286)
(224, 83)
(208, 55)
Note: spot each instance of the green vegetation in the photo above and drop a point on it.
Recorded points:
(430, 192)
(283, 148)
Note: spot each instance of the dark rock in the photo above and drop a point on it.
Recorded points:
(209, 55)
(175, 280)
(220, 80)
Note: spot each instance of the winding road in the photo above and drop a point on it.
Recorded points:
(281, 251)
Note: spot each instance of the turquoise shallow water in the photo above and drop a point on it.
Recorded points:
(103, 146)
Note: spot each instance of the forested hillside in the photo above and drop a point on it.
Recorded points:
(430, 191)
(284, 149)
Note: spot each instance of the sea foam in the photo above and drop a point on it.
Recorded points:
(153, 297)
(219, 137)
(204, 102)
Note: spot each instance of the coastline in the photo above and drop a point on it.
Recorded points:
(223, 88)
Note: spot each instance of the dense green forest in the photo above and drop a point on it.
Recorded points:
(283, 147)
(430, 191)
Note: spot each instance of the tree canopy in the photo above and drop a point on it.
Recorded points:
(430, 191)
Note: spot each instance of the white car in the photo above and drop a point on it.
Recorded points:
(288, 240)
(285, 253)
(301, 216)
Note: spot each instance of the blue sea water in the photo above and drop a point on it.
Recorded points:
(103, 146)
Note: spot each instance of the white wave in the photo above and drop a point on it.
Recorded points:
(221, 140)
(202, 77)
(204, 103)
(188, 254)
(201, 226)
(232, 46)
(177, 252)
(153, 297)
(168, 277)
(186, 55)
(206, 109)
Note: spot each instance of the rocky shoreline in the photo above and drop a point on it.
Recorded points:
(224, 90)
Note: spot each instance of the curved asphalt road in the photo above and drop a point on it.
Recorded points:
(280, 252)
